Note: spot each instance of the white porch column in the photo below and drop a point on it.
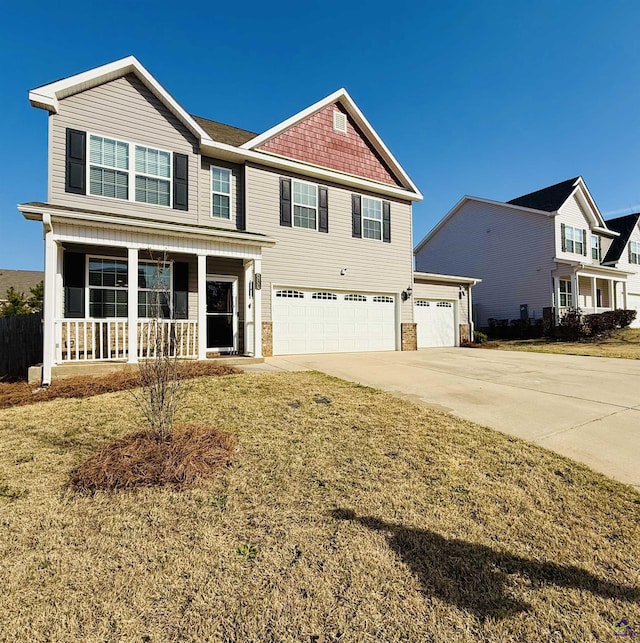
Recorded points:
(575, 290)
(132, 305)
(257, 311)
(249, 307)
(624, 295)
(611, 285)
(49, 305)
(470, 311)
(202, 307)
(594, 294)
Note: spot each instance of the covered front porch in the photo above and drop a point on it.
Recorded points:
(591, 289)
(117, 293)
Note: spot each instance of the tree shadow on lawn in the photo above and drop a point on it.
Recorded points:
(475, 577)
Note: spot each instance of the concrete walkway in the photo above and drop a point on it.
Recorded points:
(587, 408)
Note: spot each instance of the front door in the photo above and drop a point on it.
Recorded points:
(221, 319)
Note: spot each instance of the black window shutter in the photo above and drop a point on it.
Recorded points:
(563, 234)
(386, 221)
(73, 282)
(241, 223)
(323, 210)
(285, 201)
(76, 166)
(180, 290)
(180, 181)
(584, 243)
(356, 215)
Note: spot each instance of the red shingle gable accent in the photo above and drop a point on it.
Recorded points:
(313, 140)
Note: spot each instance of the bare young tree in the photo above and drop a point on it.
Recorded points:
(161, 386)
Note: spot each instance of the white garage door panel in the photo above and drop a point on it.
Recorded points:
(436, 323)
(351, 322)
(633, 303)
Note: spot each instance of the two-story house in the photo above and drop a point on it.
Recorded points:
(296, 240)
(549, 248)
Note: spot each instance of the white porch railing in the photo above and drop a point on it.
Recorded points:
(179, 336)
(585, 311)
(89, 340)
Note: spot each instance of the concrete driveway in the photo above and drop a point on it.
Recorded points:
(587, 408)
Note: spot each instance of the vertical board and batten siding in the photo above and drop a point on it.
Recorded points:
(123, 109)
(572, 214)
(205, 191)
(510, 250)
(312, 259)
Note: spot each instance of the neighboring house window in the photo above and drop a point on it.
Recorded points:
(108, 167)
(305, 205)
(566, 298)
(220, 193)
(371, 218)
(153, 176)
(108, 280)
(595, 247)
(573, 240)
(154, 290)
(634, 252)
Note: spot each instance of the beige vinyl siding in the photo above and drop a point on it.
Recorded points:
(122, 109)
(312, 259)
(205, 191)
(572, 214)
(510, 250)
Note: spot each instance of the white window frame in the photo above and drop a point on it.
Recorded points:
(364, 218)
(89, 287)
(214, 192)
(130, 171)
(634, 252)
(170, 293)
(569, 238)
(595, 238)
(565, 292)
(303, 205)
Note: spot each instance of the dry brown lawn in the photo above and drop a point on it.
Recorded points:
(347, 514)
(624, 344)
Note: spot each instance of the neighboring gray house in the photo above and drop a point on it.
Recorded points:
(296, 240)
(21, 280)
(549, 248)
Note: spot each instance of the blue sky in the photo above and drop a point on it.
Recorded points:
(491, 98)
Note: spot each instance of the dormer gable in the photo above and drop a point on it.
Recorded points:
(334, 134)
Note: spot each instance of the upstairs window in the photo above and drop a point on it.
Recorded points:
(305, 204)
(108, 167)
(573, 240)
(371, 218)
(595, 247)
(634, 252)
(220, 193)
(153, 176)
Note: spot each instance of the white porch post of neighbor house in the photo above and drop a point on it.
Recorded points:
(249, 307)
(624, 295)
(257, 308)
(470, 312)
(575, 292)
(202, 306)
(132, 305)
(611, 285)
(49, 304)
(594, 295)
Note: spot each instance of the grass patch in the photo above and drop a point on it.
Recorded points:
(20, 393)
(623, 344)
(346, 514)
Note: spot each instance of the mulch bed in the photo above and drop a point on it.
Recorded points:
(191, 453)
(21, 393)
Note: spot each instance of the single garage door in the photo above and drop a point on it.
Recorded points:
(633, 303)
(436, 322)
(320, 321)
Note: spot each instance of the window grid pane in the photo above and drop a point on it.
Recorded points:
(154, 191)
(221, 206)
(221, 180)
(154, 162)
(371, 229)
(371, 208)
(304, 217)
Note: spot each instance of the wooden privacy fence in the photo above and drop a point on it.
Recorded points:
(20, 344)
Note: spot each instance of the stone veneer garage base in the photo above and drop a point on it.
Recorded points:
(267, 339)
(409, 336)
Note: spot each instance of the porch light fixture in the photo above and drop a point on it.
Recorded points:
(406, 294)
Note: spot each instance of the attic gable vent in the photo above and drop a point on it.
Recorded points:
(340, 122)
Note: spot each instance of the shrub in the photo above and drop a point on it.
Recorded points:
(574, 325)
(570, 327)
(479, 338)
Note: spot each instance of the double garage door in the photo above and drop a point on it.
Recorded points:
(320, 321)
(436, 322)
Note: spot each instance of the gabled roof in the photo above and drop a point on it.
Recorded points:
(340, 96)
(624, 226)
(549, 199)
(225, 133)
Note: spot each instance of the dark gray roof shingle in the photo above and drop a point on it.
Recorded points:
(547, 199)
(623, 225)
